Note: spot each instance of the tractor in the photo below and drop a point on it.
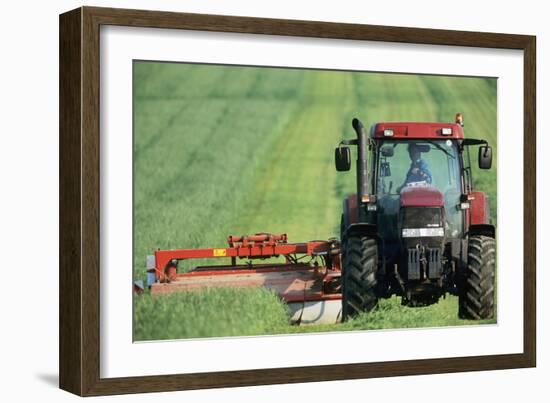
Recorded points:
(416, 227)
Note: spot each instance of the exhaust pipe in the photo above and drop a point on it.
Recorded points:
(362, 166)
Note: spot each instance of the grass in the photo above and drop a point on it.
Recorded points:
(390, 314)
(220, 312)
(222, 150)
(257, 311)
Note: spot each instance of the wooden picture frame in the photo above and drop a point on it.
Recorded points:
(79, 200)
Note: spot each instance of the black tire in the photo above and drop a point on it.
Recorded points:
(477, 294)
(360, 263)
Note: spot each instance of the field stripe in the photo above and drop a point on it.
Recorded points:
(295, 192)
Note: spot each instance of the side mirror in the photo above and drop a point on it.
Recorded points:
(485, 157)
(342, 158)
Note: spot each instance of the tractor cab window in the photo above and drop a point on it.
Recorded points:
(419, 163)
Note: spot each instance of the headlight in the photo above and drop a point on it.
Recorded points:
(421, 232)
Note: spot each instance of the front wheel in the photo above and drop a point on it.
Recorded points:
(360, 262)
(476, 298)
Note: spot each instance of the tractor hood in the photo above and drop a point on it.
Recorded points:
(421, 196)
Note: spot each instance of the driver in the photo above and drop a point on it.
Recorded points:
(419, 170)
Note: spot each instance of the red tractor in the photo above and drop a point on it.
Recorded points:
(416, 227)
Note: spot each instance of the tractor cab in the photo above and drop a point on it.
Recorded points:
(416, 173)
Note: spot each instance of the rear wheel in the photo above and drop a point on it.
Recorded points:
(476, 299)
(359, 276)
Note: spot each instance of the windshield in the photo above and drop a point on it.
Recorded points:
(419, 163)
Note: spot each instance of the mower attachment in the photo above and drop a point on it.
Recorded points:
(308, 280)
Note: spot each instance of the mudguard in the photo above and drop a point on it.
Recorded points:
(482, 229)
(351, 211)
(361, 229)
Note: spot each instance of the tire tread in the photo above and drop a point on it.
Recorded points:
(476, 299)
(359, 276)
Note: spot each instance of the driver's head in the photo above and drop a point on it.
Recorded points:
(414, 152)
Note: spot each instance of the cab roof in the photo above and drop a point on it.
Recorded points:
(417, 130)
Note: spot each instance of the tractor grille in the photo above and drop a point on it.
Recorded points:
(434, 262)
(413, 264)
(420, 217)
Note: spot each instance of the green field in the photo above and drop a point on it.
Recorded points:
(222, 150)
